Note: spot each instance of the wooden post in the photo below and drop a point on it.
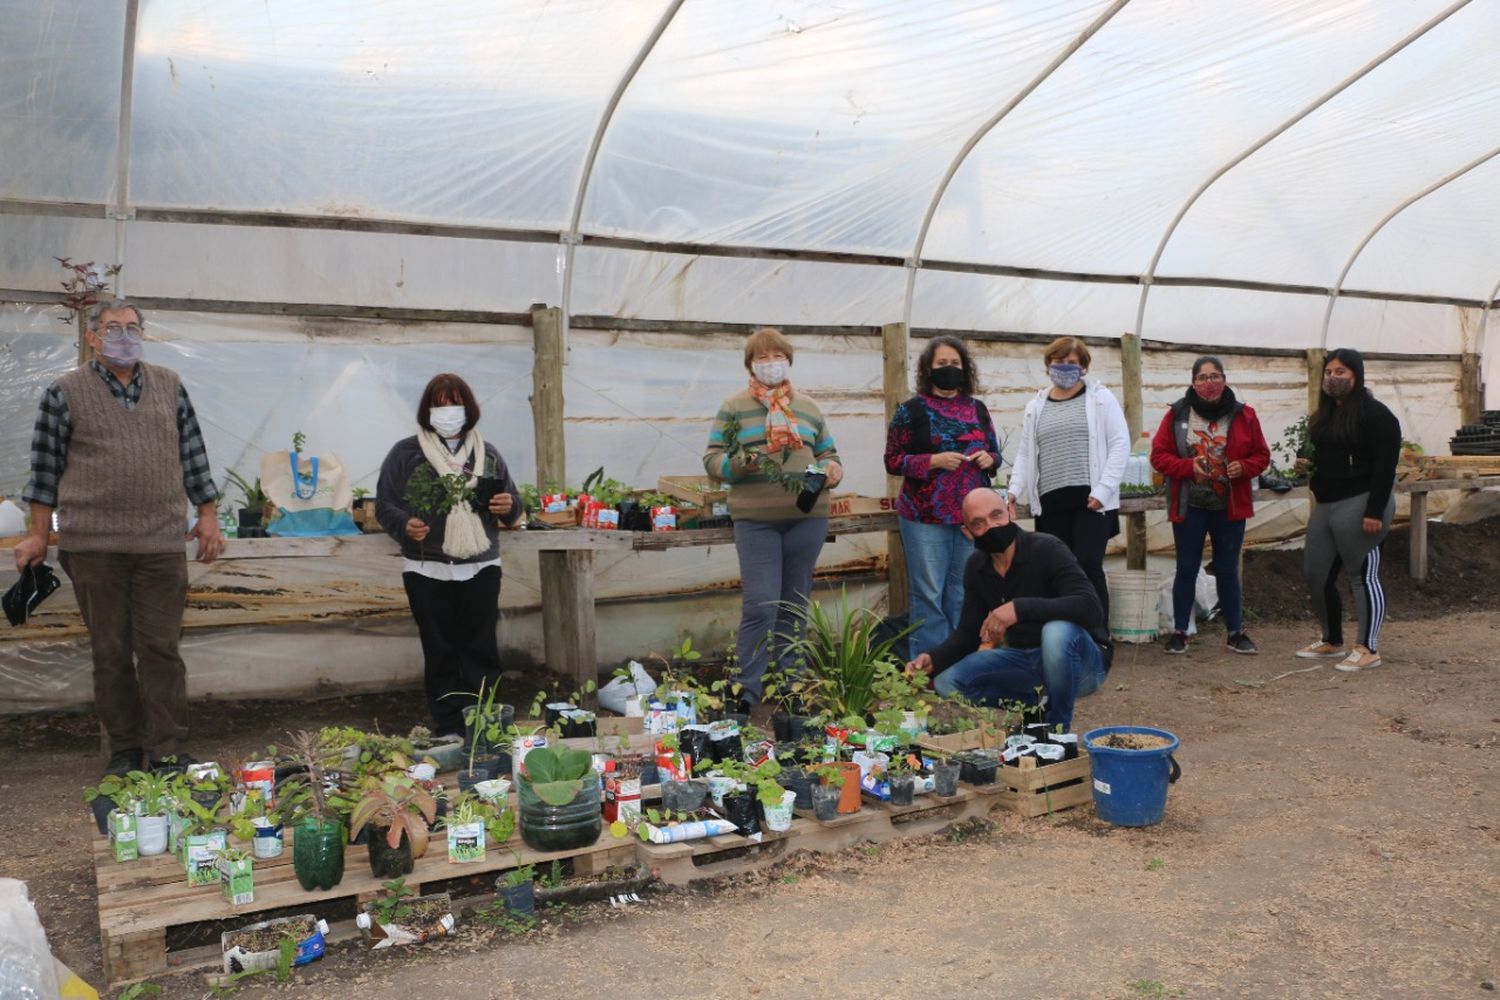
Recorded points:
(1418, 535)
(547, 397)
(1470, 390)
(894, 344)
(1130, 389)
(1316, 359)
(567, 578)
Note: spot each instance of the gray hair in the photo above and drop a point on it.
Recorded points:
(99, 309)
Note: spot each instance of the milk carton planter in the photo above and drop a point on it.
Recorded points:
(236, 877)
(123, 833)
(257, 948)
(396, 918)
(466, 829)
(200, 856)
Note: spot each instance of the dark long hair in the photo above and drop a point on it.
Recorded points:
(970, 385)
(448, 386)
(1341, 424)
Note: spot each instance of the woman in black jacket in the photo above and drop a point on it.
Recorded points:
(1356, 441)
(450, 551)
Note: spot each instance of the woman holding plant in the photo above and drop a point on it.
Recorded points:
(442, 495)
(942, 443)
(772, 444)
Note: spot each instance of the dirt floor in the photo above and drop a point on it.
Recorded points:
(1333, 835)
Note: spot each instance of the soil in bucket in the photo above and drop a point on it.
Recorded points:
(1130, 782)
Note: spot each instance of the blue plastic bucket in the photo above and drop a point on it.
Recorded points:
(1130, 786)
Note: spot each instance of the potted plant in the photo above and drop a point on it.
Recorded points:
(945, 774)
(901, 775)
(400, 813)
(789, 692)
(559, 797)
(843, 654)
(828, 793)
(152, 794)
(445, 753)
(254, 507)
(517, 890)
(104, 798)
(318, 831)
(466, 828)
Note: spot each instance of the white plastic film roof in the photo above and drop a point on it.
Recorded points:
(1031, 166)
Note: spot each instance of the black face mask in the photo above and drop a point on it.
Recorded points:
(947, 378)
(998, 538)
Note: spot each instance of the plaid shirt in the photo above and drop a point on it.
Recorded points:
(54, 429)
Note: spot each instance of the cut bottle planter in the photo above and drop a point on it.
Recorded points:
(318, 854)
(152, 835)
(546, 827)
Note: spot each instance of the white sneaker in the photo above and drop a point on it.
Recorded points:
(1359, 658)
(1319, 650)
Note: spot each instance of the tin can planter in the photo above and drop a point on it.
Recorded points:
(546, 827)
(268, 842)
(387, 861)
(318, 853)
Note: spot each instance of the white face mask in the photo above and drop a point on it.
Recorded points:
(770, 373)
(448, 421)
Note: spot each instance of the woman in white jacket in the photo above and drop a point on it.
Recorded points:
(1071, 458)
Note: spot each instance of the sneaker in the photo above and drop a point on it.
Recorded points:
(122, 762)
(1320, 649)
(1239, 642)
(1359, 658)
(1177, 642)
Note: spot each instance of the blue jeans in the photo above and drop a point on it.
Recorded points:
(776, 565)
(1228, 537)
(935, 557)
(1068, 665)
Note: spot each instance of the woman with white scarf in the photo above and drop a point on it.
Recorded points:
(450, 558)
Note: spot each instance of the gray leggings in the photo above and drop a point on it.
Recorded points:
(1336, 540)
(776, 564)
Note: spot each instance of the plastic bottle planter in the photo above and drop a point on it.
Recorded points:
(318, 853)
(825, 800)
(945, 778)
(151, 835)
(578, 823)
(387, 861)
(903, 786)
(779, 817)
(684, 796)
(740, 809)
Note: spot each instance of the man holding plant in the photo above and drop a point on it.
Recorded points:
(1031, 629)
(116, 450)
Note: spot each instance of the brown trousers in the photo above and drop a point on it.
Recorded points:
(132, 605)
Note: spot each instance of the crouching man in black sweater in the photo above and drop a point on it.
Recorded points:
(1031, 621)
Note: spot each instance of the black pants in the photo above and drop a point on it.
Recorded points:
(1087, 533)
(457, 624)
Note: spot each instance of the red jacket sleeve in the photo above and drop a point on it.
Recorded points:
(1164, 457)
(1257, 455)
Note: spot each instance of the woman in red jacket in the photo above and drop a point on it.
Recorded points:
(1209, 447)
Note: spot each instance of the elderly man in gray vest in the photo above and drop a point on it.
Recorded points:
(116, 450)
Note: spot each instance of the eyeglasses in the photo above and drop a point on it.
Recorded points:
(115, 329)
(1208, 378)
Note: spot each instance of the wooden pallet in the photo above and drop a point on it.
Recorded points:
(141, 901)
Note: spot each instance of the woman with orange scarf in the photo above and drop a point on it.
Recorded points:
(772, 444)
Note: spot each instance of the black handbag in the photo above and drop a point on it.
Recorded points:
(36, 584)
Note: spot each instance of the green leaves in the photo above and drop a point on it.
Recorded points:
(556, 773)
(430, 495)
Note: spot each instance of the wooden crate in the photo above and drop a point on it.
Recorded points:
(852, 504)
(1036, 791)
(969, 739)
(697, 491)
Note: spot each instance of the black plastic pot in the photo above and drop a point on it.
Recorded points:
(467, 778)
(693, 741)
(903, 786)
(485, 490)
(552, 712)
(649, 773)
(102, 807)
(519, 900)
(1069, 743)
(740, 809)
(507, 715)
(578, 728)
(825, 800)
(387, 861)
(1038, 731)
(249, 520)
(978, 769)
(684, 796)
(789, 728)
(945, 778)
(726, 748)
(794, 779)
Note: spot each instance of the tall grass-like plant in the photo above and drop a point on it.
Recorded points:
(841, 654)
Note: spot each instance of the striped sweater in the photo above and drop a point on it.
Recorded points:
(755, 497)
